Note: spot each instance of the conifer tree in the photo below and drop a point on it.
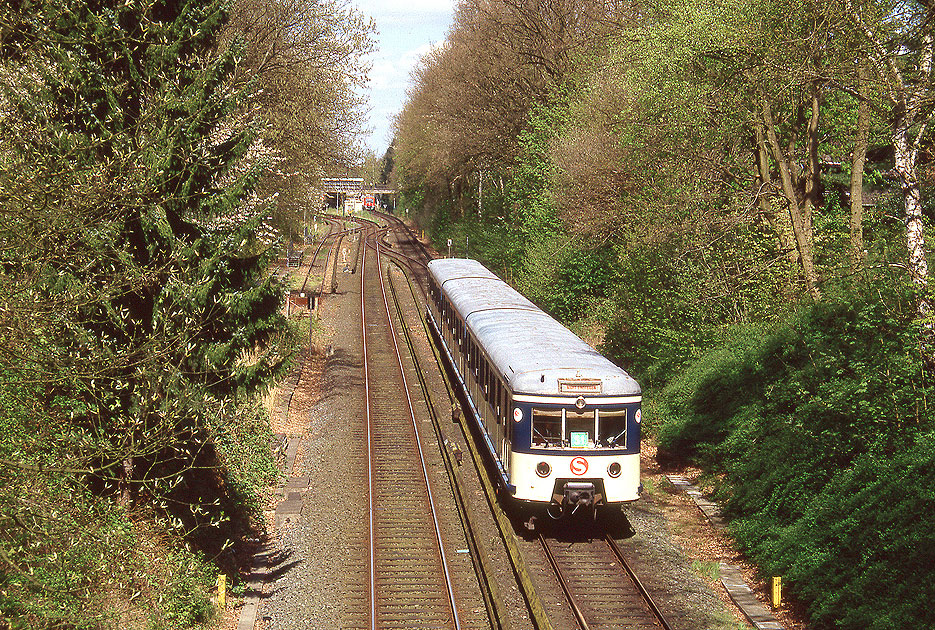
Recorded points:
(132, 284)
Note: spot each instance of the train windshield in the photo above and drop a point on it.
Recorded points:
(547, 428)
(579, 429)
(571, 428)
(612, 428)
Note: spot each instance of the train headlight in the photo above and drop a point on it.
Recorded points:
(614, 469)
(543, 469)
(580, 403)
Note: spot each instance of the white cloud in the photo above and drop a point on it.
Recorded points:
(408, 29)
(394, 73)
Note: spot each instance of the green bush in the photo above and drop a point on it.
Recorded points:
(76, 560)
(818, 432)
(677, 296)
(863, 549)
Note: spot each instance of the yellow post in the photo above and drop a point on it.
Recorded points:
(777, 591)
(222, 591)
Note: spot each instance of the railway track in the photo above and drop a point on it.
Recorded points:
(411, 584)
(585, 582)
(581, 583)
(333, 230)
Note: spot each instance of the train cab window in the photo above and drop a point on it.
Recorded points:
(547, 428)
(612, 428)
(579, 428)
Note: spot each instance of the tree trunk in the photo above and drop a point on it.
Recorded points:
(800, 215)
(857, 170)
(907, 169)
(778, 221)
(813, 175)
(126, 476)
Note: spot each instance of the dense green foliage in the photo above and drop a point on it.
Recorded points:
(139, 325)
(819, 432)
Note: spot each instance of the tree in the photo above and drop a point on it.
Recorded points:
(472, 96)
(899, 45)
(136, 313)
(308, 61)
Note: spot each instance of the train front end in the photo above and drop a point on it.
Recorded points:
(577, 451)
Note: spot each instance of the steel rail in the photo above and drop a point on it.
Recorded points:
(363, 332)
(492, 601)
(615, 548)
(321, 243)
(572, 601)
(415, 428)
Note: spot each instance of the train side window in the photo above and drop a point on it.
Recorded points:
(612, 428)
(547, 428)
(579, 428)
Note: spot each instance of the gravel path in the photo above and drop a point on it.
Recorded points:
(313, 569)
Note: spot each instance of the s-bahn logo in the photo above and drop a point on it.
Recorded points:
(578, 466)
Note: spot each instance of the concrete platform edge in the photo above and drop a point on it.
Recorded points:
(737, 589)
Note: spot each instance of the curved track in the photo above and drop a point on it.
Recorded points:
(333, 231)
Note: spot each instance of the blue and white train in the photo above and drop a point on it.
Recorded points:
(561, 422)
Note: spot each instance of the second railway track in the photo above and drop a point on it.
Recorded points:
(411, 582)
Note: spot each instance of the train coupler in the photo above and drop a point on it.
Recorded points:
(572, 496)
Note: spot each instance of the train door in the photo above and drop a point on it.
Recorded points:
(503, 418)
(490, 390)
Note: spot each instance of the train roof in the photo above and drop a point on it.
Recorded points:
(533, 351)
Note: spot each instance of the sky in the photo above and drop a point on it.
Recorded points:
(407, 30)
